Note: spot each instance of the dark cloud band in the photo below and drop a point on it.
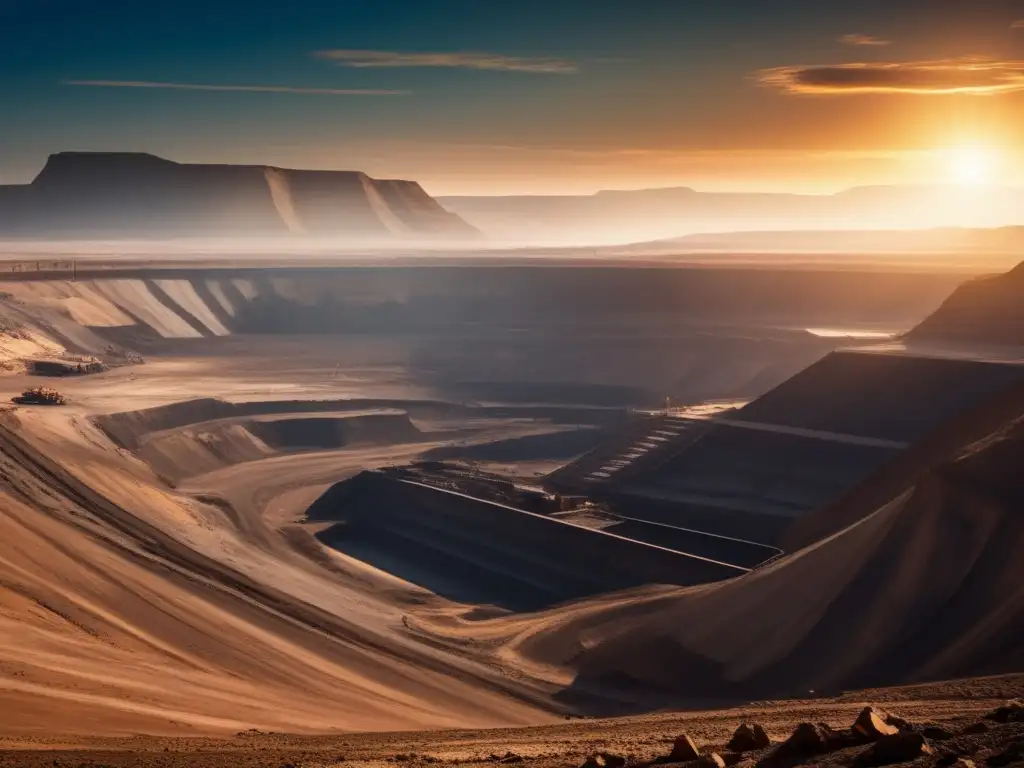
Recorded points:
(983, 77)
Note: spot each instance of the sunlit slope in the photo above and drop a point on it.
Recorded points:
(125, 608)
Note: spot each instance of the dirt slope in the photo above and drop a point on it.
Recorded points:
(928, 586)
(125, 608)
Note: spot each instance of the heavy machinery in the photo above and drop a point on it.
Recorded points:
(40, 396)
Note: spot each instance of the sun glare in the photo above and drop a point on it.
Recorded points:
(971, 165)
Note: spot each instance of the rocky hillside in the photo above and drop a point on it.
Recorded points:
(984, 311)
(80, 194)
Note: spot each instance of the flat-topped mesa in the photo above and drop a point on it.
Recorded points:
(983, 311)
(124, 194)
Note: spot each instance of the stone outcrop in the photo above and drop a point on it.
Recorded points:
(871, 724)
(748, 737)
(683, 750)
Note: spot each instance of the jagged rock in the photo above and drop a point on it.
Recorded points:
(1011, 712)
(749, 737)
(963, 762)
(683, 750)
(900, 747)
(974, 729)
(871, 725)
(604, 760)
(807, 739)
(711, 760)
(839, 739)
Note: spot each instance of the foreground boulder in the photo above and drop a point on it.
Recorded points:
(711, 760)
(1011, 712)
(871, 724)
(683, 750)
(604, 760)
(808, 739)
(749, 737)
(900, 747)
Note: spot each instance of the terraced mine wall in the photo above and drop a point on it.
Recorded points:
(816, 436)
(182, 452)
(128, 428)
(512, 558)
(886, 396)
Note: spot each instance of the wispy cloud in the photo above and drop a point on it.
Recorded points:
(869, 41)
(482, 61)
(1018, 24)
(974, 76)
(235, 88)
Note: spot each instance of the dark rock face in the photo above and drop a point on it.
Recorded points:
(138, 195)
(900, 747)
(749, 737)
(808, 739)
(937, 733)
(1014, 753)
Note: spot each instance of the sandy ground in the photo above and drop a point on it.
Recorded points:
(552, 746)
(239, 369)
(133, 607)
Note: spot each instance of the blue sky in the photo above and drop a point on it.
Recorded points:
(474, 96)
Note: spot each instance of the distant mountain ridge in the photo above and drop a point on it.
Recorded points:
(624, 216)
(1001, 239)
(105, 194)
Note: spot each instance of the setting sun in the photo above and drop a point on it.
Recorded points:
(971, 165)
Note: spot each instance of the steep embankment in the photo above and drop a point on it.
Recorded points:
(880, 395)
(929, 585)
(982, 312)
(126, 608)
(176, 454)
(115, 195)
(900, 473)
